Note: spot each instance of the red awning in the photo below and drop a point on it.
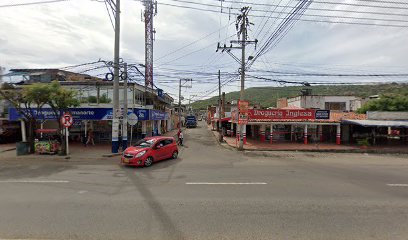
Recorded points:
(225, 119)
(46, 130)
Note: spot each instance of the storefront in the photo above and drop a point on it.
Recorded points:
(99, 121)
(293, 125)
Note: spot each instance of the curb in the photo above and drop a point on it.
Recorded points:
(372, 151)
(111, 154)
(8, 150)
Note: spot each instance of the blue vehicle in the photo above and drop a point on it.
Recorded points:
(191, 122)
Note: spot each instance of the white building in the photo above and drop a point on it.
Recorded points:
(340, 103)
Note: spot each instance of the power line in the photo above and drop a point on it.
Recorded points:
(302, 19)
(31, 3)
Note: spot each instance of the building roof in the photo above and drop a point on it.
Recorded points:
(377, 123)
(335, 117)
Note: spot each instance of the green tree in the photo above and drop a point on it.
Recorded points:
(60, 99)
(28, 102)
(30, 99)
(387, 102)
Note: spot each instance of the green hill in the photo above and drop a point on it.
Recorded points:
(267, 96)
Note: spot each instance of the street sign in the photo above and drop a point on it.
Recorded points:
(132, 119)
(67, 120)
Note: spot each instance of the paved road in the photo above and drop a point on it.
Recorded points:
(280, 195)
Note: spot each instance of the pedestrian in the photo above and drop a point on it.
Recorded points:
(181, 137)
(90, 137)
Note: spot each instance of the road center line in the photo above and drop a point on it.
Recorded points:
(397, 184)
(34, 181)
(226, 183)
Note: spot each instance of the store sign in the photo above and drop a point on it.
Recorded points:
(322, 114)
(158, 115)
(243, 118)
(289, 114)
(79, 114)
(243, 106)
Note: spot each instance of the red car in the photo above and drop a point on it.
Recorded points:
(150, 150)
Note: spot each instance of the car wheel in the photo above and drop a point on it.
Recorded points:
(148, 162)
(175, 155)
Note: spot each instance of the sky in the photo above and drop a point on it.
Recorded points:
(348, 37)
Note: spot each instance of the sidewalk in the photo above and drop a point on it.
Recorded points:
(256, 145)
(7, 147)
(78, 151)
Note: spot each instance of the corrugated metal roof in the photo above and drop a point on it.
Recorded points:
(377, 123)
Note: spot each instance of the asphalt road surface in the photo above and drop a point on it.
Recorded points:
(210, 192)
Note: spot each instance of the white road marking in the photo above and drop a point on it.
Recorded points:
(226, 183)
(397, 184)
(34, 181)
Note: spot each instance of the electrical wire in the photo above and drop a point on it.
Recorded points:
(31, 3)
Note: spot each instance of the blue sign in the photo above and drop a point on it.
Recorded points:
(79, 114)
(322, 114)
(158, 115)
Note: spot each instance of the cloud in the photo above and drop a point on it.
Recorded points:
(79, 31)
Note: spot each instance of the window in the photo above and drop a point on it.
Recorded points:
(168, 141)
(335, 106)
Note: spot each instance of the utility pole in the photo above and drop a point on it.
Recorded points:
(179, 105)
(241, 24)
(125, 109)
(116, 109)
(242, 93)
(219, 107)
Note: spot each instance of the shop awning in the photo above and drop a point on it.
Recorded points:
(46, 130)
(227, 119)
(377, 123)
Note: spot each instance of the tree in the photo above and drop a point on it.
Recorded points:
(60, 99)
(30, 100)
(387, 102)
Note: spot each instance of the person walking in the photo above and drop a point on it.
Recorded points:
(181, 138)
(90, 138)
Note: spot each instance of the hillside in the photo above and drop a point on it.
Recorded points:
(266, 96)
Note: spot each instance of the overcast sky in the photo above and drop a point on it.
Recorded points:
(73, 32)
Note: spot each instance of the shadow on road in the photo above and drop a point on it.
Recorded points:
(31, 171)
(171, 230)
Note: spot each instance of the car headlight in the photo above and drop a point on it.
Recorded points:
(140, 154)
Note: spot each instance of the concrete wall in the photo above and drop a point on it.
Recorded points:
(351, 103)
(294, 102)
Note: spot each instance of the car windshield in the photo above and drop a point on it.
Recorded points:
(144, 143)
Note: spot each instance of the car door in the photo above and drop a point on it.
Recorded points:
(168, 148)
(159, 153)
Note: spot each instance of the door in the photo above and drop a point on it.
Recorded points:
(168, 153)
(159, 153)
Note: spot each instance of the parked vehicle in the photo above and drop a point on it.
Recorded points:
(191, 122)
(150, 150)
